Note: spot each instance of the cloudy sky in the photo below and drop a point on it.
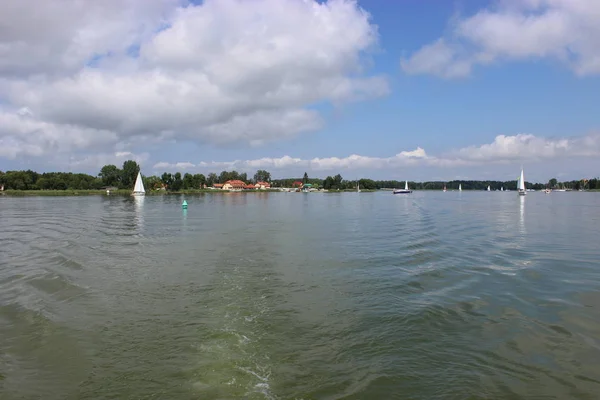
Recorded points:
(399, 90)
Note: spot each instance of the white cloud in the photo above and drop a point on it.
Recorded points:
(223, 72)
(517, 149)
(22, 135)
(98, 160)
(58, 37)
(563, 30)
(173, 166)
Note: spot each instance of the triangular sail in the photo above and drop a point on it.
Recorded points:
(521, 181)
(139, 184)
(405, 185)
(460, 187)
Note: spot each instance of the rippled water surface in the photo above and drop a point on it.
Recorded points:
(301, 296)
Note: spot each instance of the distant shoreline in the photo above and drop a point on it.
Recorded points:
(69, 192)
(72, 192)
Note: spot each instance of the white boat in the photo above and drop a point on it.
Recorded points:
(138, 189)
(406, 190)
(502, 188)
(521, 185)
(460, 187)
(489, 189)
(444, 187)
(358, 187)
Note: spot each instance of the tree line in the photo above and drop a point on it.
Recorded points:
(124, 178)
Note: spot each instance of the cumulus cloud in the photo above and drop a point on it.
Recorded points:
(96, 160)
(22, 135)
(562, 30)
(221, 72)
(503, 150)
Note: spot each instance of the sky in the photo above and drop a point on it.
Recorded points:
(408, 89)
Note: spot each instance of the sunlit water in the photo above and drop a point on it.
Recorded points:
(301, 296)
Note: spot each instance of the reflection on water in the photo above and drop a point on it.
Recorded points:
(300, 296)
(522, 215)
(139, 211)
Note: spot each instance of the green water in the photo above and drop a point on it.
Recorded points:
(301, 296)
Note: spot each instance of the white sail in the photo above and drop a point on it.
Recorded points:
(521, 185)
(522, 181)
(139, 185)
(488, 189)
(460, 187)
(405, 185)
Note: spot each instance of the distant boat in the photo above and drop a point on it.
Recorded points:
(357, 187)
(502, 188)
(489, 189)
(460, 187)
(406, 190)
(138, 189)
(521, 184)
(444, 187)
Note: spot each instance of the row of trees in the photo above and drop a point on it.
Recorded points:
(124, 178)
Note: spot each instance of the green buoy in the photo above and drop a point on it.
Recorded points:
(184, 205)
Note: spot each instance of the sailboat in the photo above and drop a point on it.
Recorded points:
(521, 185)
(357, 187)
(460, 187)
(444, 187)
(502, 189)
(489, 189)
(406, 190)
(138, 189)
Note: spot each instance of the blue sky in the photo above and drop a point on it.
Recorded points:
(481, 90)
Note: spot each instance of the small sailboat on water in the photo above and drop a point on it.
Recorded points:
(460, 187)
(444, 187)
(489, 189)
(521, 185)
(357, 187)
(406, 190)
(138, 188)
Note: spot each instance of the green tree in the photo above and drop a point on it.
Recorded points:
(129, 173)
(367, 184)
(177, 182)
(262, 176)
(305, 178)
(111, 175)
(167, 179)
(552, 182)
(211, 179)
(188, 181)
(337, 181)
(151, 182)
(225, 176)
(199, 181)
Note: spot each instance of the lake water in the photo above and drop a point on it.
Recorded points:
(301, 296)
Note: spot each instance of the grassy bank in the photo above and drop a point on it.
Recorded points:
(68, 192)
